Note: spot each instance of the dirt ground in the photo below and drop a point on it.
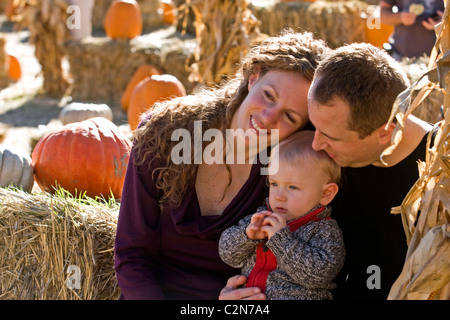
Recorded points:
(25, 112)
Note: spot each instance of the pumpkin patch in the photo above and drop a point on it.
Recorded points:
(89, 156)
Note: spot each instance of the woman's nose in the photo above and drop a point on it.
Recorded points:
(270, 115)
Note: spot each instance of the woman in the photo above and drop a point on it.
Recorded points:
(173, 212)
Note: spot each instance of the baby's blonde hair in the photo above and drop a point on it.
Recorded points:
(297, 149)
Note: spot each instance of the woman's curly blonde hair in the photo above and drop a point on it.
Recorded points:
(214, 107)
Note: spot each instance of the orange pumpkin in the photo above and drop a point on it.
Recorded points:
(168, 11)
(123, 20)
(91, 155)
(150, 90)
(379, 36)
(141, 73)
(377, 33)
(14, 71)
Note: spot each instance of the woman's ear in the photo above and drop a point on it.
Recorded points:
(328, 193)
(253, 78)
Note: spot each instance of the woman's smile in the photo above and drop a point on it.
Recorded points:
(255, 126)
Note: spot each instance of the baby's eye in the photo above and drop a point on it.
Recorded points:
(273, 184)
(293, 187)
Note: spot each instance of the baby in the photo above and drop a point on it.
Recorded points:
(291, 248)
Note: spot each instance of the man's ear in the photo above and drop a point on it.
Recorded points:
(328, 193)
(385, 133)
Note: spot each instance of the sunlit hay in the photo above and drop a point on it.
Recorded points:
(56, 247)
(336, 22)
(100, 68)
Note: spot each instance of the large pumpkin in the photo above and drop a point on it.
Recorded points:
(140, 74)
(16, 169)
(91, 155)
(123, 20)
(149, 91)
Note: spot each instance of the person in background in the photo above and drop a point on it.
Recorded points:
(413, 23)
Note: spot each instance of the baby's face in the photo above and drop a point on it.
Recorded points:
(295, 190)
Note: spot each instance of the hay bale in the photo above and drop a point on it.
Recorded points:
(336, 22)
(45, 238)
(100, 68)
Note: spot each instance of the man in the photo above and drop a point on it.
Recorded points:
(414, 23)
(349, 103)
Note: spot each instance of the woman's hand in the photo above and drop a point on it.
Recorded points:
(234, 290)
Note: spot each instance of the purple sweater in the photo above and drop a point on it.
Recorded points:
(174, 255)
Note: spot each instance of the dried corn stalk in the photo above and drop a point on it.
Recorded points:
(224, 32)
(4, 64)
(47, 22)
(426, 272)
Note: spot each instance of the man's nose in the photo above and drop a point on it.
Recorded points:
(319, 141)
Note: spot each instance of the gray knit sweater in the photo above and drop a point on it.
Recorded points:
(308, 259)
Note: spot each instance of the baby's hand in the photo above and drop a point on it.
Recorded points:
(274, 223)
(253, 230)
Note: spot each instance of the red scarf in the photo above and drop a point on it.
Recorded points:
(266, 261)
